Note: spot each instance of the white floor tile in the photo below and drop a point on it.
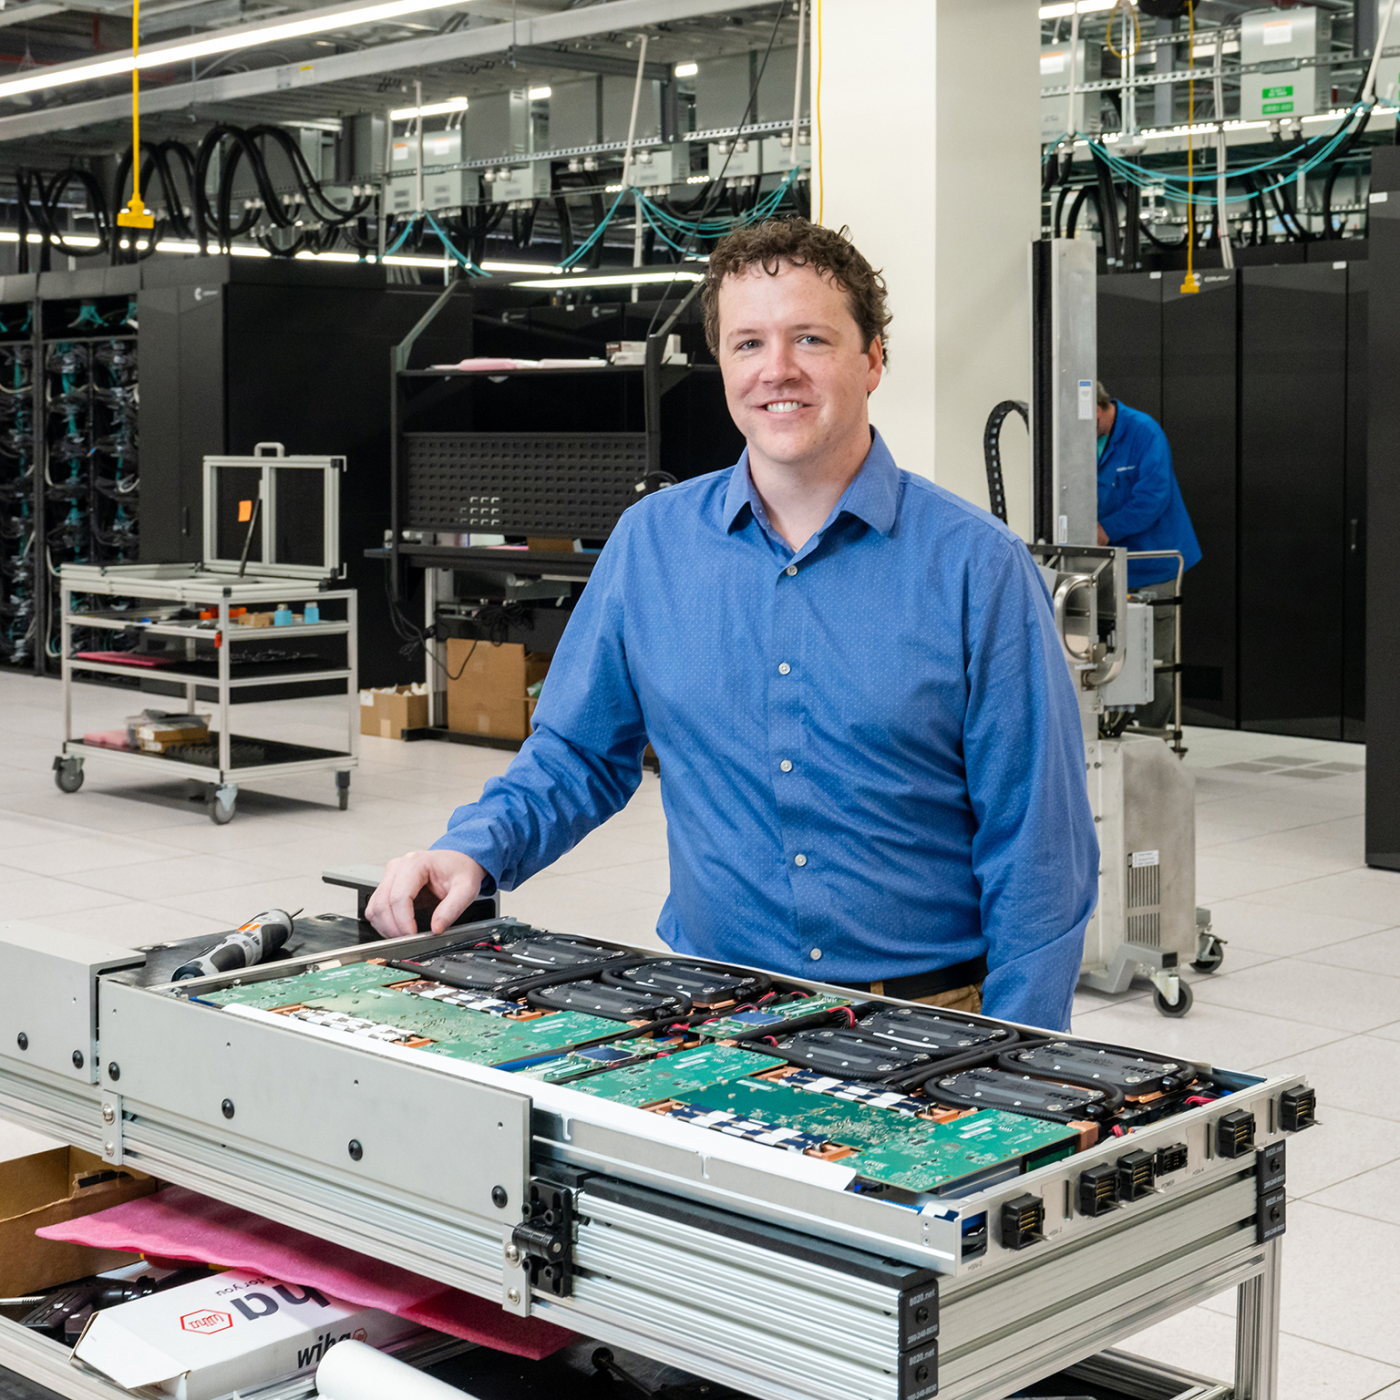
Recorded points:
(1315, 1162)
(1373, 1195)
(1219, 877)
(37, 898)
(136, 923)
(1374, 953)
(175, 875)
(1279, 930)
(1359, 1072)
(1203, 1342)
(16, 1141)
(1340, 998)
(1209, 1034)
(1326, 848)
(1370, 895)
(86, 853)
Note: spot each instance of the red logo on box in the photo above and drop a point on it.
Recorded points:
(359, 1335)
(206, 1321)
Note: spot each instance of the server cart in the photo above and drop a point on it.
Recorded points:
(271, 537)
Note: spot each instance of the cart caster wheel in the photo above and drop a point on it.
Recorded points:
(223, 805)
(1179, 1007)
(1210, 954)
(68, 774)
(342, 790)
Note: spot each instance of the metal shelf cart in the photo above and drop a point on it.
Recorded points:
(186, 585)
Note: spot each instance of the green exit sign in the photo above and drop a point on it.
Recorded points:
(1275, 109)
(1277, 92)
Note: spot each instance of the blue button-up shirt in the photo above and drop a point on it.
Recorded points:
(872, 763)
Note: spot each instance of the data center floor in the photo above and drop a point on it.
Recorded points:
(1310, 981)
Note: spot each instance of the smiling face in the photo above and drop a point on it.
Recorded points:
(796, 374)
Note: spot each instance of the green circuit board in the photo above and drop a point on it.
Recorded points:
(362, 991)
(912, 1153)
(673, 1076)
(763, 1016)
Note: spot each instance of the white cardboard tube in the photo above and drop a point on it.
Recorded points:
(354, 1371)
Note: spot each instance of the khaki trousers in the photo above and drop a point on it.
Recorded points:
(967, 998)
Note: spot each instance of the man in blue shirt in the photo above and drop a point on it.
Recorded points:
(1140, 508)
(871, 754)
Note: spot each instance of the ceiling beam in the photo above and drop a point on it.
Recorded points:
(536, 57)
(428, 53)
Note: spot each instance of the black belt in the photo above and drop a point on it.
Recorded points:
(926, 984)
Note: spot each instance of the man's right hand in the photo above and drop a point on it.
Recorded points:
(454, 879)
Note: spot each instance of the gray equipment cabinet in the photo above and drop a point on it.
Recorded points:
(271, 538)
(757, 1268)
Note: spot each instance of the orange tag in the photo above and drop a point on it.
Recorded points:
(245, 512)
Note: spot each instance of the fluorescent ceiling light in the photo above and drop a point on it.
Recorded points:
(491, 266)
(539, 94)
(1086, 7)
(241, 36)
(625, 279)
(432, 109)
(686, 70)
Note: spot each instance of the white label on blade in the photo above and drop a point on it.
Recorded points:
(1062, 537)
(1278, 31)
(1086, 400)
(1379, 196)
(1140, 858)
(1053, 62)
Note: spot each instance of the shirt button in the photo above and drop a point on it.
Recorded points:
(816, 955)
(783, 668)
(799, 859)
(786, 765)
(791, 570)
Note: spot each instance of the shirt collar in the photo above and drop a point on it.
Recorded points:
(872, 496)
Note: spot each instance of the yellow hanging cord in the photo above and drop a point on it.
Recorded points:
(1192, 282)
(1129, 13)
(135, 214)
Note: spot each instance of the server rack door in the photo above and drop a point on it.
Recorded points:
(1293, 344)
(1130, 339)
(1383, 519)
(1354, 567)
(1199, 415)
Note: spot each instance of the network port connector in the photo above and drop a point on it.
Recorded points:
(1098, 1189)
(1022, 1222)
(1297, 1109)
(1234, 1134)
(1136, 1173)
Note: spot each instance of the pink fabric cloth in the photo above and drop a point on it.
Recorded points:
(176, 1224)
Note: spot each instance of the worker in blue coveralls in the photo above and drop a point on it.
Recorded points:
(1140, 508)
(872, 761)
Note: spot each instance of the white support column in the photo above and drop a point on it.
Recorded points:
(926, 143)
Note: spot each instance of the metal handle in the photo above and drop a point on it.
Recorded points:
(277, 449)
(1067, 586)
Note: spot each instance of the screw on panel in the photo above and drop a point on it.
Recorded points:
(499, 1198)
(356, 1150)
(22, 1041)
(512, 1254)
(109, 1114)
(114, 1071)
(77, 1059)
(513, 1294)
(227, 1108)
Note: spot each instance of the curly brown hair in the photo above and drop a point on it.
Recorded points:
(799, 243)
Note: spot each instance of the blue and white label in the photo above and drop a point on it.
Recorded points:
(1086, 400)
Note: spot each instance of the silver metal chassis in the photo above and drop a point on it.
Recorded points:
(187, 583)
(737, 1310)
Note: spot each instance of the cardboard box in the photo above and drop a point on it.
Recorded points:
(234, 1331)
(489, 695)
(388, 712)
(156, 738)
(52, 1188)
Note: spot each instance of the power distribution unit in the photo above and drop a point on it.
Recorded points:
(1057, 118)
(660, 165)
(532, 181)
(1278, 40)
(242, 351)
(442, 189)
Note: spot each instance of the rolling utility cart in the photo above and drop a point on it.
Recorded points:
(271, 540)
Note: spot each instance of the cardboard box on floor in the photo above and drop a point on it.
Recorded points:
(489, 696)
(386, 713)
(235, 1331)
(51, 1188)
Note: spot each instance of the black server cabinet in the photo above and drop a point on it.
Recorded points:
(1354, 557)
(1200, 417)
(1130, 339)
(1293, 417)
(236, 352)
(1381, 527)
